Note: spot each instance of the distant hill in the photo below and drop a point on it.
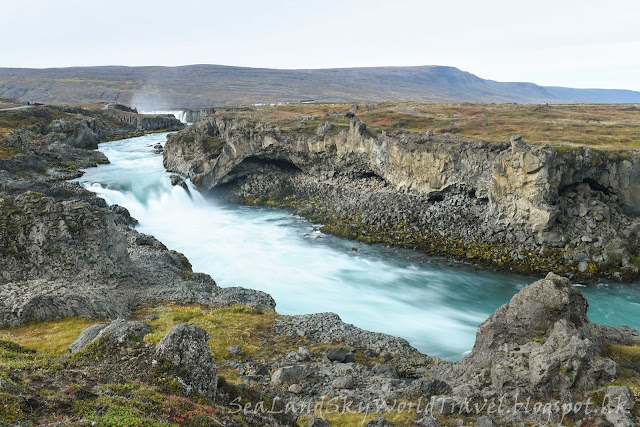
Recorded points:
(204, 85)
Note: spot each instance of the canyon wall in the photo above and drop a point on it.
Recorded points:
(150, 122)
(509, 205)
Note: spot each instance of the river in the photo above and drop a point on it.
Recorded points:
(433, 303)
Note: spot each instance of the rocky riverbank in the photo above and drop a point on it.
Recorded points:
(536, 361)
(64, 251)
(511, 205)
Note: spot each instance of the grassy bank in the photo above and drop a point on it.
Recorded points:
(41, 382)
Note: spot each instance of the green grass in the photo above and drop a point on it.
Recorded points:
(227, 326)
(120, 416)
(50, 337)
(622, 353)
(628, 359)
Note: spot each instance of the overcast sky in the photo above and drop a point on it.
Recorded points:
(583, 43)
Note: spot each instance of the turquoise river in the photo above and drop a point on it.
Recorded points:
(433, 303)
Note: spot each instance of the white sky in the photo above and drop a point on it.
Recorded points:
(585, 43)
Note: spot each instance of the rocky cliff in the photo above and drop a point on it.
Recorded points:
(508, 205)
(64, 252)
(542, 347)
(146, 122)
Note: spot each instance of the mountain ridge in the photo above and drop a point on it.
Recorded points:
(210, 84)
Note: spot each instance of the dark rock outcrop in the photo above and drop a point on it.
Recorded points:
(178, 180)
(116, 332)
(335, 354)
(379, 422)
(542, 344)
(84, 260)
(76, 134)
(328, 327)
(186, 347)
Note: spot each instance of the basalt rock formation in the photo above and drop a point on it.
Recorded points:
(505, 205)
(542, 342)
(186, 348)
(150, 121)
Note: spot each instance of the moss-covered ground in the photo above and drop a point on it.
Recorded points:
(607, 126)
(41, 382)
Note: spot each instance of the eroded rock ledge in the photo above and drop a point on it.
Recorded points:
(505, 205)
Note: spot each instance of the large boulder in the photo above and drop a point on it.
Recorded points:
(244, 296)
(335, 354)
(186, 347)
(86, 337)
(121, 330)
(541, 342)
(288, 374)
(118, 332)
(619, 401)
(532, 312)
(318, 422)
(379, 422)
(76, 134)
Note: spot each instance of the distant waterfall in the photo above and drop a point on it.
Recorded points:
(179, 114)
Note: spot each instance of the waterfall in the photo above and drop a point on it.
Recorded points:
(179, 114)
